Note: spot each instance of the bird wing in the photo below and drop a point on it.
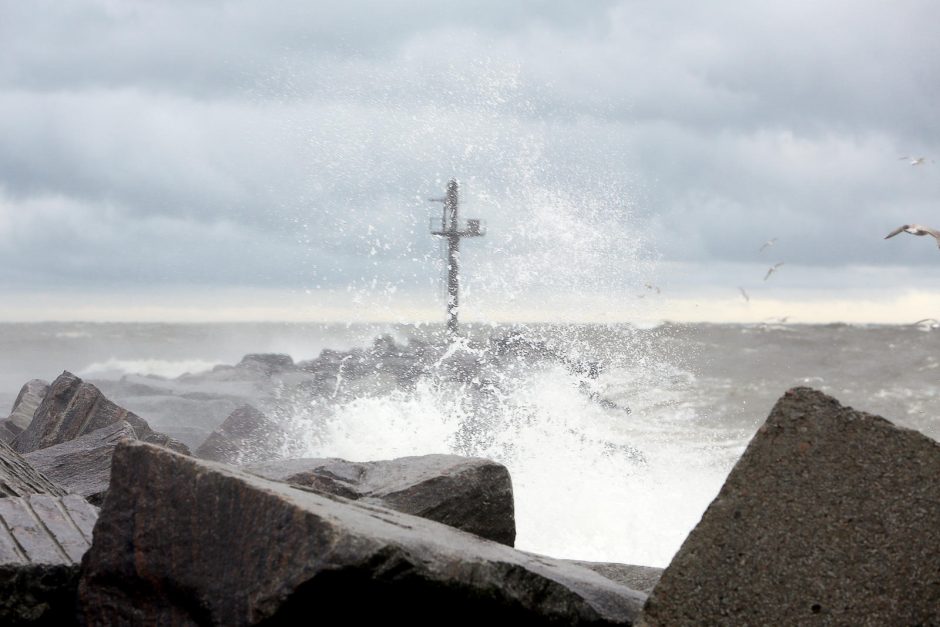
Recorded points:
(769, 272)
(744, 294)
(896, 231)
(777, 265)
(933, 232)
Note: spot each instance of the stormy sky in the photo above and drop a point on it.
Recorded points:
(210, 159)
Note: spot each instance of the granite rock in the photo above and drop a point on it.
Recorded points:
(247, 436)
(829, 518)
(267, 363)
(468, 493)
(83, 465)
(72, 408)
(19, 478)
(42, 540)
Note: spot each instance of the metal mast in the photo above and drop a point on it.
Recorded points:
(451, 228)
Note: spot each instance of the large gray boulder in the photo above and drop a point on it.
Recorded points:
(83, 465)
(267, 363)
(468, 493)
(19, 478)
(72, 408)
(831, 517)
(184, 541)
(42, 540)
(247, 436)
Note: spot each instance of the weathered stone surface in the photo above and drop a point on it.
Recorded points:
(642, 578)
(184, 541)
(83, 465)
(42, 540)
(468, 493)
(19, 478)
(8, 431)
(247, 436)
(161, 439)
(829, 518)
(27, 402)
(72, 408)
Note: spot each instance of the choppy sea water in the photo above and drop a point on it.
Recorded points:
(615, 463)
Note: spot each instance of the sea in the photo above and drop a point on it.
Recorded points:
(617, 437)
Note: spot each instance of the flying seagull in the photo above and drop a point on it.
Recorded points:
(768, 244)
(916, 229)
(773, 269)
(745, 294)
(914, 160)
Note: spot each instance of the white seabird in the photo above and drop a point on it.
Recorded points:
(915, 229)
(914, 160)
(773, 269)
(768, 244)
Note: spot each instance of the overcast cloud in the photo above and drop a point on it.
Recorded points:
(607, 144)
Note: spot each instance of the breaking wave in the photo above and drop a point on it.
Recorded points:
(164, 368)
(610, 468)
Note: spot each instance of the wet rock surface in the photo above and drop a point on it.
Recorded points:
(83, 465)
(42, 540)
(471, 494)
(246, 437)
(19, 478)
(830, 517)
(72, 408)
(8, 431)
(184, 541)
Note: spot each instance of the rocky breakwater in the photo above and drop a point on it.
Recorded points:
(73, 432)
(72, 408)
(194, 405)
(69, 431)
(831, 517)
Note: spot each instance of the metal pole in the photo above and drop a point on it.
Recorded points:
(453, 257)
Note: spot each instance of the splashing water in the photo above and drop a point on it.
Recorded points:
(592, 453)
(607, 465)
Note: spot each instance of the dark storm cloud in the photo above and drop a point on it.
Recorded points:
(294, 144)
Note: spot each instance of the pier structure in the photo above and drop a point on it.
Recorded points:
(453, 230)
